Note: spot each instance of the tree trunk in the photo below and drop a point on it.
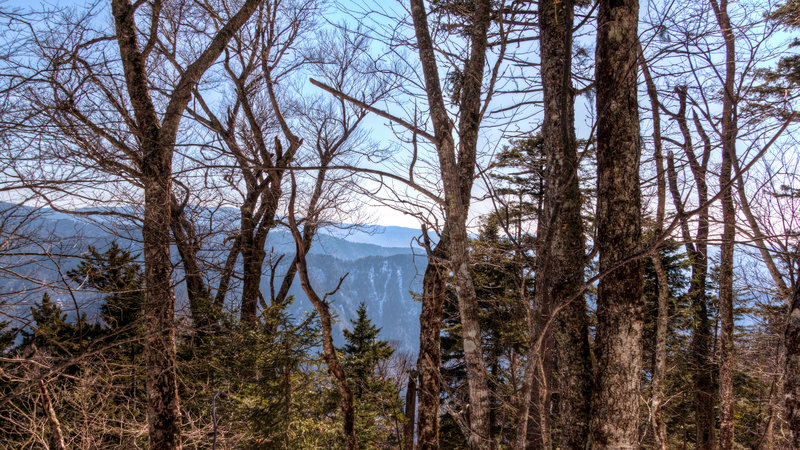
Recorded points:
(457, 172)
(662, 318)
(203, 316)
(615, 404)
(564, 235)
(253, 256)
(410, 410)
(321, 306)
(560, 250)
(163, 412)
(429, 360)
(701, 344)
(660, 363)
(792, 369)
(157, 141)
(57, 437)
(729, 132)
(329, 355)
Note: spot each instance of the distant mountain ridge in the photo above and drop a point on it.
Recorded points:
(383, 268)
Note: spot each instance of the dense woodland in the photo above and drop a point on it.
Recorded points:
(607, 195)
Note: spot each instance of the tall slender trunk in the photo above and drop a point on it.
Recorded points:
(457, 169)
(533, 410)
(729, 132)
(410, 410)
(203, 316)
(660, 358)
(615, 404)
(57, 437)
(662, 315)
(791, 382)
(429, 360)
(701, 344)
(328, 348)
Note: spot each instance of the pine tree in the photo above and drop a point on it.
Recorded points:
(781, 85)
(52, 332)
(116, 274)
(363, 351)
(377, 401)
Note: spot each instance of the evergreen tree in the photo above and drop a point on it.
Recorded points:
(116, 274)
(377, 398)
(363, 351)
(52, 332)
(7, 336)
(501, 274)
(781, 85)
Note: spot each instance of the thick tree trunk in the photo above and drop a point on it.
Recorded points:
(429, 360)
(163, 412)
(257, 219)
(791, 382)
(253, 255)
(729, 132)
(560, 252)
(615, 404)
(157, 140)
(565, 227)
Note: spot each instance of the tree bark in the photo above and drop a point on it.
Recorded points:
(157, 140)
(662, 317)
(618, 345)
(565, 226)
(792, 369)
(457, 172)
(410, 410)
(429, 360)
(560, 250)
(729, 132)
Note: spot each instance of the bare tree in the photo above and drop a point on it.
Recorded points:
(322, 308)
(457, 167)
(138, 145)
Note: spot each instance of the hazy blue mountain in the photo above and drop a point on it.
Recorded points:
(382, 266)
